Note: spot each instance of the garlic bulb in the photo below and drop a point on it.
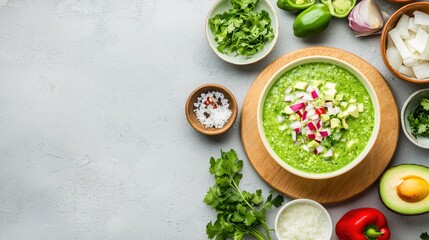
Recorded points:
(366, 18)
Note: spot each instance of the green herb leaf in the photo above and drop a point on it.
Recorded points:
(419, 119)
(424, 236)
(240, 30)
(239, 213)
(244, 4)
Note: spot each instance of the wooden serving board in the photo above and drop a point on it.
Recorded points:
(325, 191)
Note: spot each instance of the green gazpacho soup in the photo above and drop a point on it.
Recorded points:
(318, 117)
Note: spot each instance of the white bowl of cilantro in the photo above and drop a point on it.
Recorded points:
(415, 118)
(242, 32)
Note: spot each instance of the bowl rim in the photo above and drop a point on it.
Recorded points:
(303, 201)
(233, 107)
(393, 19)
(403, 118)
(251, 59)
(355, 72)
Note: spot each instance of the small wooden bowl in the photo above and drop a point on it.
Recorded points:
(192, 118)
(390, 24)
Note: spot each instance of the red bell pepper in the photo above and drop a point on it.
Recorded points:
(363, 224)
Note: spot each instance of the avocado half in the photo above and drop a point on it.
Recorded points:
(405, 189)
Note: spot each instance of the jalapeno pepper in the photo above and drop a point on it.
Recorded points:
(363, 224)
(339, 8)
(295, 5)
(312, 21)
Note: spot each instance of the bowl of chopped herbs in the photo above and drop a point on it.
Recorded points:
(242, 32)
(415, 118)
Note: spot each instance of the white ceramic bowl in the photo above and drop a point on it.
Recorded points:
(221, 6)
(408, 107)
(305, 202)
(351, 69)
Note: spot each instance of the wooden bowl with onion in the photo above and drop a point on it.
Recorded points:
(192, 117)
(392, 23)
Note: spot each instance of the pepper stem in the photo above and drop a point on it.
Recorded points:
(373, 233)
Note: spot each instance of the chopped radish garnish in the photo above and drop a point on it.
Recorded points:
(318, 125)
(297, 107)
(329, 153)
(314, 117)
(314, 94)
(304, 116)
(311, 126)
(309, 107)
(307, 97)
(312, 114)
(318, 149)
(289, 98)
(325, 133)
(296, 124)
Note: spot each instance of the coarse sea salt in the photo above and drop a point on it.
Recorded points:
(212, 109)
(303, 222)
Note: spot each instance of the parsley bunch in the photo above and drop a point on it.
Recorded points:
(239, 213)
(419, 119)
(241, 30)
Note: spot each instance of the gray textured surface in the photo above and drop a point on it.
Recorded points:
(94, 143)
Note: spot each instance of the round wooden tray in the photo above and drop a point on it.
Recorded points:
(340, 188)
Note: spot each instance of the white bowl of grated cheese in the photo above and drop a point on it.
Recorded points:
(303, 219)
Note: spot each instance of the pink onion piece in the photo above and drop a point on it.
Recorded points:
(366, 18)
(318, 124)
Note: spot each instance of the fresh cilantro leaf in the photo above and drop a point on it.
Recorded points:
(245, 5)
(419, 119)
(425, 104)
(240, 212)
(240, 30)
(249, 218)
(424, 236)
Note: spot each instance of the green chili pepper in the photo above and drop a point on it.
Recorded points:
(295, 5)
(339, 8)
(312, 21)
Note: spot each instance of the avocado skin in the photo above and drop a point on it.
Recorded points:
(418, 168)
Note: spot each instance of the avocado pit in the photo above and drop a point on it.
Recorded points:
(412, 189)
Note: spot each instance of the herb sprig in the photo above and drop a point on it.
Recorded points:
(239, 213)
(424, 236)
(419, 119)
